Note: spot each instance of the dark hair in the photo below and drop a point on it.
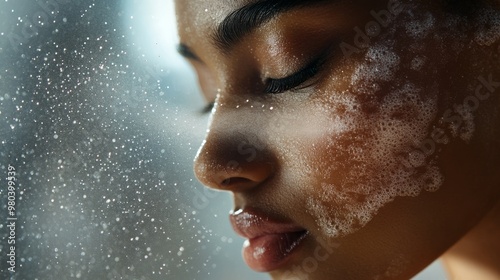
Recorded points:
(464, 7)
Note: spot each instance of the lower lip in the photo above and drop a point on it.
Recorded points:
(269, 252)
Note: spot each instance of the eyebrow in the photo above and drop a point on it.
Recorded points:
(249, 17)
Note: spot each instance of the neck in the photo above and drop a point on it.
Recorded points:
(476, 255)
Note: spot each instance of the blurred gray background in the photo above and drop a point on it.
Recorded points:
(101, 119)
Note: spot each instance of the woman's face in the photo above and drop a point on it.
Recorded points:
(359, 138)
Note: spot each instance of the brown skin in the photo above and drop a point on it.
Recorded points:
(476, 255)
(298, 157)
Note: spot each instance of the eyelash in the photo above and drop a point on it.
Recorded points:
(207, 108)
(276, 86)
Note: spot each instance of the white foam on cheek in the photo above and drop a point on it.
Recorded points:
(402, 121)
(381, 65)
(489, 28)
(388, 162)
(371, 173)
(466, 129)
(378, 176)
(421, 27)
(417, 63)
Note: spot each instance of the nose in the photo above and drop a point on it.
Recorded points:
(234, 160)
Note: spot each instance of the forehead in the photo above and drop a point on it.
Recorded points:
(201, 17)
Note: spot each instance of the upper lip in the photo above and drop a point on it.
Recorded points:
(252, 223)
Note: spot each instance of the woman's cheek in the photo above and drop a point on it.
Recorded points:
(357, 148)
(357, 169)
(374, 157)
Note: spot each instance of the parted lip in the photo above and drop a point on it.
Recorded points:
(252, 223)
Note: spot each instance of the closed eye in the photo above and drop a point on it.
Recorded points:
(207, 108)
(293, 81)
(275, 86)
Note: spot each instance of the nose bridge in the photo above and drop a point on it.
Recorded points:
(234, 155)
